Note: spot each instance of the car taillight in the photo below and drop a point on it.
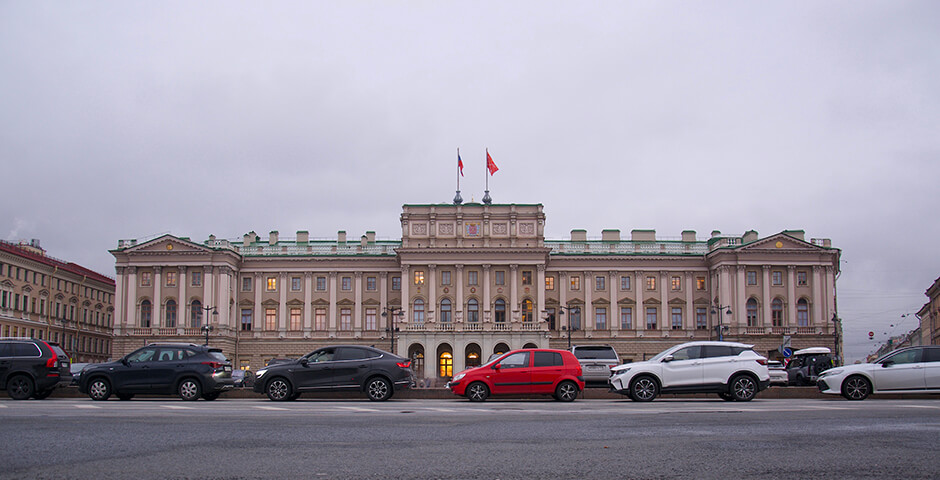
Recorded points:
(404, 364)
(762, 361)
(51, 363)
(213, 365)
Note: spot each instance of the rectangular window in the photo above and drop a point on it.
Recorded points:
(295, 319)
(527, 277)
(171, 279)
(246, 284)
(321, 284)
(197, 279)
(751, 277)
(701, 318)
(396, 283)
(320, 319)
(778, 279)
(549, 283)
(600, 318)
(700, 283)
(676, 283)
(651, 318)
(419, 278)
(801, 279)
(626, 318)
(347, 284)
(271, 283)
(371, 284)
(624, 283)
(445, 278)
(676, 318)
(295, 284)
(345, 319)
(472, 277)
(500, 277)
(575, 282)
(270, 319)
(246, 319)
(651, 283)
(370, 319)
(600, 284)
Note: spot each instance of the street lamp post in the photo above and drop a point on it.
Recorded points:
(719, 328)
(206, 327)
(392, 313)
(568, 329)
(835, 326)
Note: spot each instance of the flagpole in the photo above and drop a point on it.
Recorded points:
(486, 192)
(457, 198)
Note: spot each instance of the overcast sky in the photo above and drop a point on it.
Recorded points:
(130, 119)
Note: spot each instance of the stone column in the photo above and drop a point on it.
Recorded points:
(308, 301)
(357, 314)
(332, 314)
(791, 294)
(130, 312)
(514, 309)
(157, 320)
(639, 315)
(741, 296)
(818, 319)
(540, 293)
(405, 291)
(459, 307)
(487, 302)
(765, 293)
(120, 284)
(259, 308)
(562, 320)
(432, 292)
(664, 287)
(587, 316)
(689, 303)
(208, 299)
(225, 304)
(184, 312)
(383, 322)
(282, 288)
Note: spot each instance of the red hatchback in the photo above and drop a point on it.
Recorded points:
(523, 372)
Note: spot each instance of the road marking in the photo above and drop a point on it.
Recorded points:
(176, 407)
(359, 409)
(2, 405)
(265, 407)
(920, 406)
(87, 406)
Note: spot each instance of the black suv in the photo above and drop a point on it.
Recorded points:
(31, 367)
(344, 367)
(190, 371)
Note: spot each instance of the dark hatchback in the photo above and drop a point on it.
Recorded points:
(190, 371)
(339, 368)
(30, 367)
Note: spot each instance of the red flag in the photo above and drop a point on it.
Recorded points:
(459, 162)
(490, 165)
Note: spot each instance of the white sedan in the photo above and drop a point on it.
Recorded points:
(907, 370)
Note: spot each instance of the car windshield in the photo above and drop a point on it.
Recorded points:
(592, 353)
(217, 356)
(659, 355)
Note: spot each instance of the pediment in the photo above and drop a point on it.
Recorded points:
(700, 301)
(371, 302)
(320, 301)
(779, 242)
(295, 303)
(600, 301)
(652, 301)
(246, 302)
(270, 303)
(346, 302)
(169, 244)
(676, 301)
(626, 301)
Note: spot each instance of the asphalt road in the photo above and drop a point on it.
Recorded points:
(66, 438)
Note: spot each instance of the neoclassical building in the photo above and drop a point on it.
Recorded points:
(55, 300)
(466, 281)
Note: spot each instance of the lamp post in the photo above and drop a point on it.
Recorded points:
(568, 329)
(392, 313)
(836, 327)
(206, 328)
(719, 328)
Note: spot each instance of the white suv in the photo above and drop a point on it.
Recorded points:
(732, 370)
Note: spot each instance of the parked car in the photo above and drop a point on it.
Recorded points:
(76, 370)
(732, 370)
(596, 362)
(243, 378)
(527, 372)
(30, 367)
(907, 370)
(345, 367)
(190, 371)
(778, 373)
(806, 364)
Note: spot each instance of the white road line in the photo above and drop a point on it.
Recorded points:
(87, 406)
(176, 407)
(2, 405)
(265, 407)
(359, 409)
(920, 406)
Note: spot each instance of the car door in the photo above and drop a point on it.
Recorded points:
(932, 368)
(317, 374)
(172, 364)
(133, 375)
(512, 374)
(546, 368)
(684, 368)
(718, 363)
(902, 371)
(351, 367)
(6, 360)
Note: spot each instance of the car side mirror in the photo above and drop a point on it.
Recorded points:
(496, 367)
(304, 362)
(668, 358)
(126, 362)
(887, 364)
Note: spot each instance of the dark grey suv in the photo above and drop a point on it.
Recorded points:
(596, 362)
(190, 371)
(30, 367)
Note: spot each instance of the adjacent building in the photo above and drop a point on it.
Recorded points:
(929, 316)
(466, 281)
(43, 297)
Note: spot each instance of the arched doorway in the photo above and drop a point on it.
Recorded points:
(530, 345)
(416, 354)
(445, 361)
(500, 348)
(473, 355)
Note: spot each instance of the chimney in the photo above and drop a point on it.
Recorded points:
(688, 235)
(750, 236)
(303, 237)
(798, 234)
(610, 235)
(363, 241)
(272, 237)
(579, 235)
(371, 236)
(643, 235)
(248, 239)
(341, 237)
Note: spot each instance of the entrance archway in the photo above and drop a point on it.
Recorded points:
(473, 356)
(416, 354)
(445, 361)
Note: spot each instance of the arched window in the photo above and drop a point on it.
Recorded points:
(446, 364)
(195, 314)
(500, 311)
(802, 313)
(776, 312)
(445, 311)
(473, 354)
(527, 310)
(146, 313)
(473, 311)
(171, 314)
(752, 313)
(417, 311)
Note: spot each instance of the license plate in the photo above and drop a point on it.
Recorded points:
(228, 369)
(596, 367)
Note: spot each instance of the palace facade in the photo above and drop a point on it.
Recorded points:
(467, 281)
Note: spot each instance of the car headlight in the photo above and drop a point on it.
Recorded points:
(260, 373)
(830, 372)
(615, 373)
(459, 377)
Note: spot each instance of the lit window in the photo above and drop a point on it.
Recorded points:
(527, 277)
(527, 310)
(651, 283)
(575, 282)
(272, 284)
(295, 319)
(676, 283)
(171, 279)
(549, 283)
(419, 278)
(446, 364)
(700, 283)
(270, 319)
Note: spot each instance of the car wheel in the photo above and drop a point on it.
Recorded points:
(566, 392)
(478, 392)
(99, 389)
(189, 390)
(856, 388)
(20, 387)
(278, 389)
(726, 396)
(378, 389)
(210, 396)
(125, 396)
(644, 389)
(42, 395)
(743, 388)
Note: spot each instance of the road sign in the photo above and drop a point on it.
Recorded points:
(786, 340)
(787, 352)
